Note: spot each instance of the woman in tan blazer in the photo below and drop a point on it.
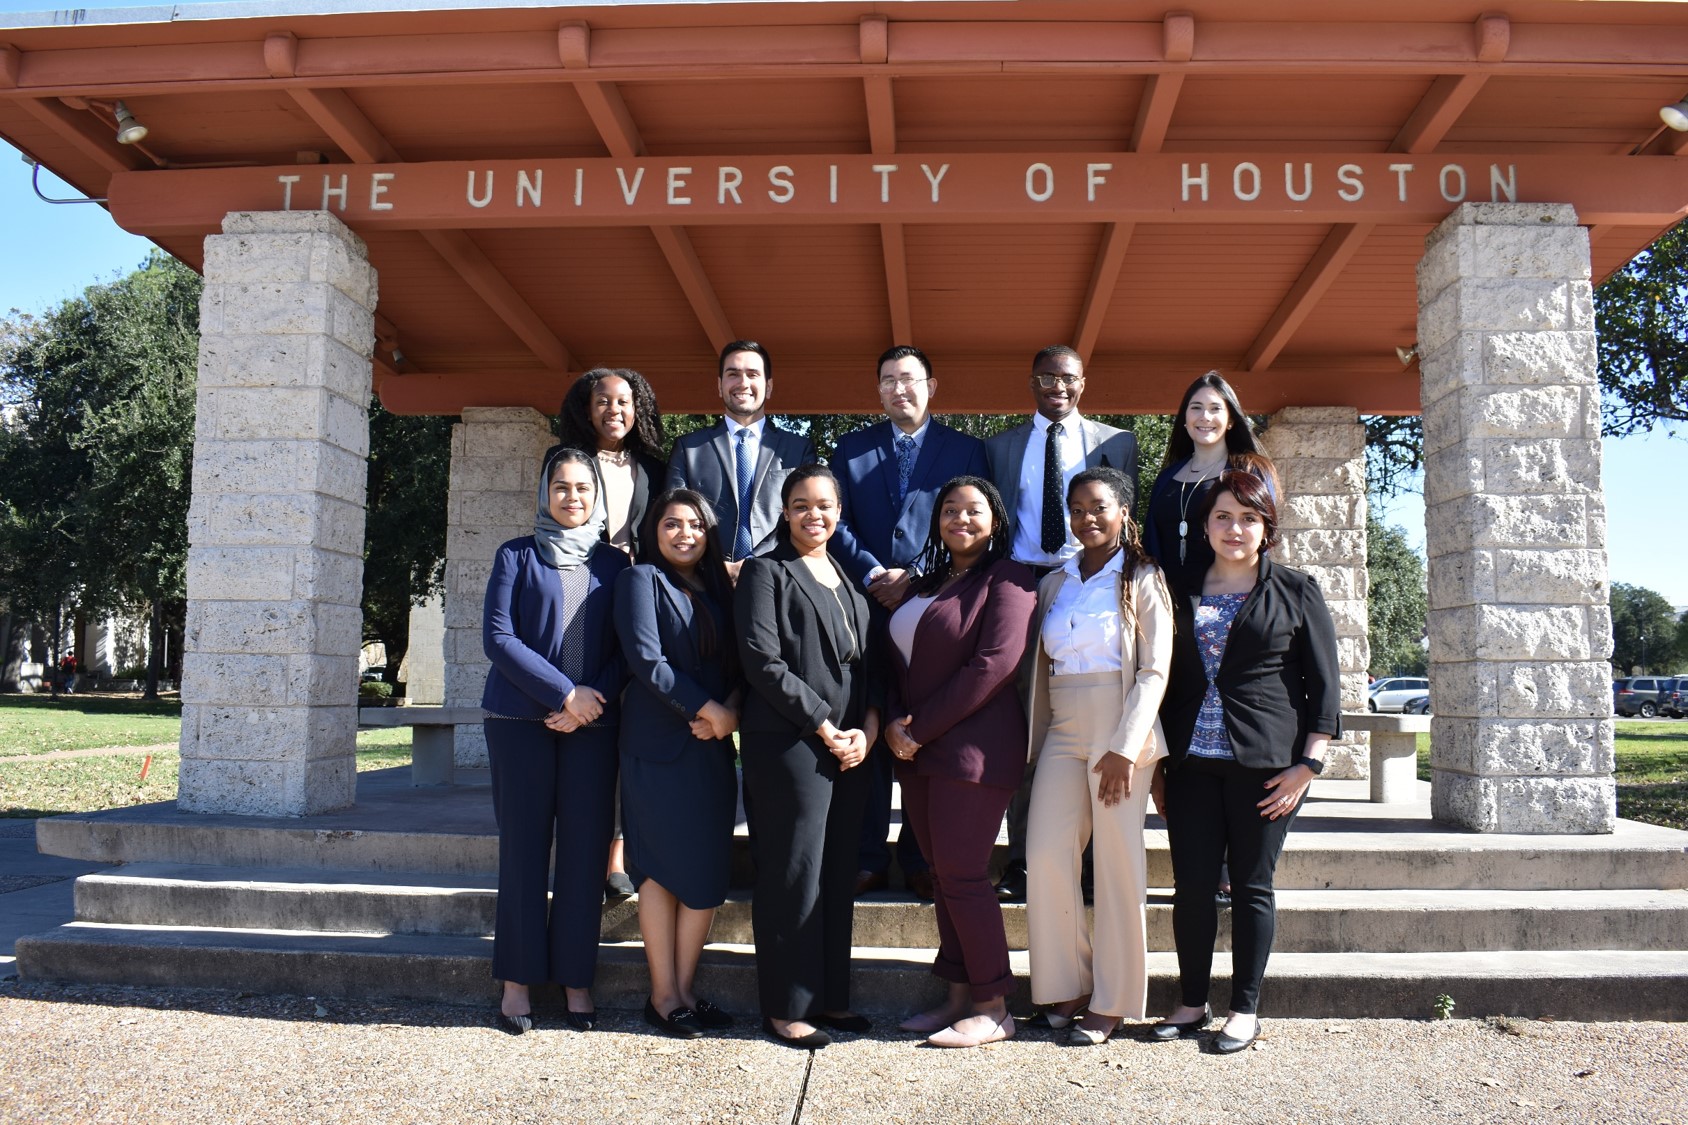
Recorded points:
(1104, 647)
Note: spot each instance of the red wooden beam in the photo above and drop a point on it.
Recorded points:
(86, 134)
(882, 141)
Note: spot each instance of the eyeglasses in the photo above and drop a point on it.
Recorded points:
(901, 382)
(1050, 382)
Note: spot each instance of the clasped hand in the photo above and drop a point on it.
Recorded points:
(897, 738)
(848, 746)
(581, 707)
(714, 720)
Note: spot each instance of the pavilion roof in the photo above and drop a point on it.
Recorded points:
(1356, 126)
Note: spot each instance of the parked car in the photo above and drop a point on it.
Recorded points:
(1419, 705)
(1637, 695)
(1391, 694)
(1673, 697)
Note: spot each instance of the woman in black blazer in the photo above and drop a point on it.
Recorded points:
(809, 716)
(611, 414)
(678, 786)
(1252, 702)
(552, 700)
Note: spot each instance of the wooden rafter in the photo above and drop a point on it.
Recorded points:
(1449, 96)
(1154, 117)
(86, 134)
(882, 141)
(605, 105)
(336, 114)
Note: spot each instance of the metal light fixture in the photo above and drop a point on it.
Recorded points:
(1407, 355)
(129, 131)
(1676, 116)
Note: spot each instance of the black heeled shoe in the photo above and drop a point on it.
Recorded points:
(515, 1025)
(1166, 1031)
(813, 1041)
(581, 1021)
(681, 1023)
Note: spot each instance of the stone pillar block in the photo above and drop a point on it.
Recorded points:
(275, 527)
(495, 463)
(1515, 524)
(1320, 453)
(424, 660)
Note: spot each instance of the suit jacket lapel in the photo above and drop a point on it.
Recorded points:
(931, 450)
(803, 583)
(722, 444)
(1009, 485)
(886, 447)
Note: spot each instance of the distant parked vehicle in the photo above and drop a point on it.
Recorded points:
(1637, 695)
(1673, 697)
(1392, 694)
(1419, 705)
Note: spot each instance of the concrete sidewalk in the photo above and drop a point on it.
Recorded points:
(37, 892)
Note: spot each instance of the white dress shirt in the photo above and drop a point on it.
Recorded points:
(753, 445)
(1082, 632)
(1028, 512)
(906, 620)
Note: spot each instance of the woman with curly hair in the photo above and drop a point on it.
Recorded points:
(611, 412)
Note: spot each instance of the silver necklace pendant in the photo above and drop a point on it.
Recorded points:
(1183, 529)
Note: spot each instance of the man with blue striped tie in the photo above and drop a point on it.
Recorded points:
(739, 463)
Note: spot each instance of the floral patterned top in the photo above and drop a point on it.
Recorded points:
(1213, 630)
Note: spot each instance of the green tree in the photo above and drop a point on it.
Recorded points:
(404, 529)
(95, 463)
(1641, 323)
(1396, 601)
(1637, 613)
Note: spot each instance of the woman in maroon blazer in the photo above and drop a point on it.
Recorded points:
(958, 730)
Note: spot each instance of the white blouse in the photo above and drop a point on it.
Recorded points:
(906, 620)
(1082, 632)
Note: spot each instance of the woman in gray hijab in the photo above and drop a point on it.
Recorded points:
(552, 709)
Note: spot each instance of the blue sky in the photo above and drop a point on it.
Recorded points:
(53, 252)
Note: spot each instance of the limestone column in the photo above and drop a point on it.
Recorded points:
(275, 529)
(1520, 630)
(423, 671)
(1320, 453)
(495, 455)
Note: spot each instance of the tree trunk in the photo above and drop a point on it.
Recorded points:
(155, 649)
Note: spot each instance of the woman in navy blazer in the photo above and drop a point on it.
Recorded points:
(678, 786)
(1252, 701)
(811, 710)
(551, 710)
(958, 730)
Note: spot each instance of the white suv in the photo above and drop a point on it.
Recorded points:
(1392, 694)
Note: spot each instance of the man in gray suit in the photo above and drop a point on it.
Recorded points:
(1031, 466)
(740, 463)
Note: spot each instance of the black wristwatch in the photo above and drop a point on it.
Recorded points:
(1314, 764)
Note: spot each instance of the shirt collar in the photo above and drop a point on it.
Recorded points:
(919, 435)
(1113, 566)
(1069, 425)
(755, 428)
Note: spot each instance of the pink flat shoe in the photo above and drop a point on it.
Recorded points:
(925, 1024)
(950, 1037)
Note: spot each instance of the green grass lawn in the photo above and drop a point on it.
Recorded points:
(1652, 771)
(34, 725)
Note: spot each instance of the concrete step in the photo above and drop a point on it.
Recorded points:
(1609, 985)
(1343, 854)
(1308, 921)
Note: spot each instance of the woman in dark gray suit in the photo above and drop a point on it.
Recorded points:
(809, 716)
(678, 786)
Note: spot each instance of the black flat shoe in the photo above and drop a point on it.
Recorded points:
(1166, 1032)
(711, 1016)
(617, 887)
(854, 1024)
(1012, 886)
(581, 1021)
(681, 1023)
(515, 1025)
(813, 1041)
(1229, 1044)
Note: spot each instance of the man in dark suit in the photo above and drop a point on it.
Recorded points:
(888, 476)
(740, 463)
(1031, 465)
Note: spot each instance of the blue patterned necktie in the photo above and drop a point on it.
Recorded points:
(1054, 519)
(746, 478)
(906, 452)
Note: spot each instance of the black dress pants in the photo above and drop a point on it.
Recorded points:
(550, 787)
(808, 823)
(1211, 809)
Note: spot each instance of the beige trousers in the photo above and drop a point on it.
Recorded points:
(1065, 813)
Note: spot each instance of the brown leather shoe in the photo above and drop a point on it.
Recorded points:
(919, 885)
(869, 881)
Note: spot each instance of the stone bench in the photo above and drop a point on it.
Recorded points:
(1394, 752)
(432, 743)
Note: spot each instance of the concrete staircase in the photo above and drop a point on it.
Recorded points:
(1379, 912)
